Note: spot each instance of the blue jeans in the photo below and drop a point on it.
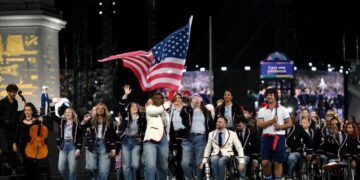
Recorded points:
(192, 147)
(218, 166)
(130, 150)
(292, 160)
(243, 172)
(156, 159)
(99, 161)
(67, 161)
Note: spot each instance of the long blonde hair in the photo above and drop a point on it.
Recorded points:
(73, 113)
(106, 115)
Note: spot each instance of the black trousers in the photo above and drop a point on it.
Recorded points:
(9, 129)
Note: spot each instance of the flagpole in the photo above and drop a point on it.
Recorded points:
(211, 75)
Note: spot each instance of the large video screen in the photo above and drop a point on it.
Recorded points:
(320, 90)
(194, 82)
(276, 69)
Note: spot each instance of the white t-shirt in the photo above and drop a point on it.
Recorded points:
(268, 114)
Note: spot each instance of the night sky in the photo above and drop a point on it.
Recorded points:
(244, 31)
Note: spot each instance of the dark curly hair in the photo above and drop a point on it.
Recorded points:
(12, 88)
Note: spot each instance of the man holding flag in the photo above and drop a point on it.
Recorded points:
(274, 119)
(161, 67)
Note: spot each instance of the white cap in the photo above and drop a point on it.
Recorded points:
(45, 87)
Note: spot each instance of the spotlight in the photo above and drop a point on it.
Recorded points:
(111, 112)
(100, 3)
(295, 68)
(113, 3)
(341, 67)
(310, 64)
(346, 72)
(341, 71)
(197, 66)
(262, 81)
(100, 12)
(329, 65)
(313, 68)
(247, 68)
(114, 12)
(202, 69)
(330, 70)
(223, 68)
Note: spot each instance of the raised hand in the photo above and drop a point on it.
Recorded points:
(127, 89)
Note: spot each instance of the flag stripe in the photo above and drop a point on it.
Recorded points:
(142, 66)
(166, 82)
(146, 62)
(164, 71)
(162, 66)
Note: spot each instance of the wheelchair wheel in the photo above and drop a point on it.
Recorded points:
(232, 168)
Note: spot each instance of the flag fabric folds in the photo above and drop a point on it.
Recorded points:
(163, 65)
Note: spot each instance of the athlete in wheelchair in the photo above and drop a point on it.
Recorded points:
(340, 152)
(299, 148)
(251, 145)
(219, 150)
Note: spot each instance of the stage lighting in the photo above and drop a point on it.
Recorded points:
(100, 3)
(330, 69)
(111, 112)
(100, 12)
(202, 69)
(247, 68)
(223, 68)
(113, 3)
(114, 12)
(197, 66)
(313, 68)
(295, 68)
(346, 72)
(341, 71)
(341, 67)
(262, 81)
(310, 64)
(329, 65)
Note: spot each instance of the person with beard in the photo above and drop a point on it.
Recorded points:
(274, 119)
(249, 142)
(219, 148)
(229, 109)
(8, 122)
(156, 140)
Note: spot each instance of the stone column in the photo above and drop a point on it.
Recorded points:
(29, 54)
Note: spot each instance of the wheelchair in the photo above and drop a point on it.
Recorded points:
(339, 169)
(231, 172)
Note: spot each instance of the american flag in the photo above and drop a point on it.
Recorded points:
(163, 65)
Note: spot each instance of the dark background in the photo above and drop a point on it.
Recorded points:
(244, 32)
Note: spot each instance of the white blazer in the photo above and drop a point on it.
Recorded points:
(156, 116)
(231, 140)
